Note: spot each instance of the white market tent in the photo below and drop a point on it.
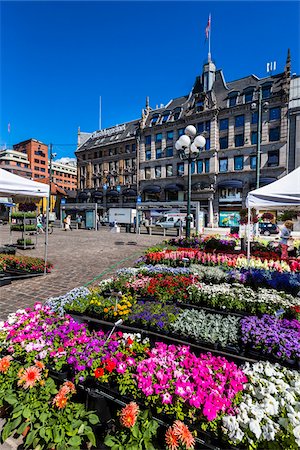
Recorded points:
(14, 186)
(18, 187)
(281, 194)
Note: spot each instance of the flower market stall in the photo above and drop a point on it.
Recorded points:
(281, 194)
(200, 351)
(18, 187)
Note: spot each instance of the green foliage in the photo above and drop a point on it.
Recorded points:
(21, 215)
(22, 228)
(288, 215)
(138, 437)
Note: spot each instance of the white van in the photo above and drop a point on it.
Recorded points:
(173, 220)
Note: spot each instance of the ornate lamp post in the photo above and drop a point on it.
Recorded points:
(188, 146)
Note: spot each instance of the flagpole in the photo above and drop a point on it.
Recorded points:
(209, 32)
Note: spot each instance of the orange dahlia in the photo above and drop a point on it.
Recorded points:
(40, 365)
(29, 377)
(129, 415)
(171, 439)
(184, 434)
(5, 363)
(60, 401)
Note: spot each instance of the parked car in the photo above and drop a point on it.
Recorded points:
(267, 228)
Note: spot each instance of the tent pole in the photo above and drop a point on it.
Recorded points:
(47, 232)
(248, 233)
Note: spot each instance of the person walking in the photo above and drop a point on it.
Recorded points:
(147, 225)
(67, 223)
(284, 237)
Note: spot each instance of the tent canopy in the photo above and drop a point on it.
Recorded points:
(15, 186)
(281, 194)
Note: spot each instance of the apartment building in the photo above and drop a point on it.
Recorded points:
(15, 162)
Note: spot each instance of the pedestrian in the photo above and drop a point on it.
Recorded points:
(67, 223)
(39, 224)
(147, 225)
(134, 224)
(78, 220)
(284, 237)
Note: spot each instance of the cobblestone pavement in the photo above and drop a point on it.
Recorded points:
(78, 257)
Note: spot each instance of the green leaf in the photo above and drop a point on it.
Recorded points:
(57, 435)
(81, 429)
(109, 441)
(15, 423)
(75, 441)
(11, 400)
(135, 430)
(22, 427)
(6, 432)
(91, 437)
(26, 412)
(29, 438)
(149, 446)
(93, 419)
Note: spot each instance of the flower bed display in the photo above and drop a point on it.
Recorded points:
(207, 243)
(179, 256)
(24, 263)
(208, 391)
(271, 335)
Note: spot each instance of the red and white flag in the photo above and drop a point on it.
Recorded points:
(207, 29)
(8, 127)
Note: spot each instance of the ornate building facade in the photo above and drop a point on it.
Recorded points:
(226, 113)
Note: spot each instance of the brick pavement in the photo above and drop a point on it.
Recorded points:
(78, 257)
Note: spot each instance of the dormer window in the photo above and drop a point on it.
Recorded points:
(176, 113)
(266, 90)
(165, 116)
(154, 119)
(232, 98)
(248, 94)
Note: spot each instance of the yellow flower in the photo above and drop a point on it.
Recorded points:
(115, 313)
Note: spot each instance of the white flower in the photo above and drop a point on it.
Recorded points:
(296, 432)
(255, 428)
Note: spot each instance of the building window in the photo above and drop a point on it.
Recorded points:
(274, 113)
(239, 140)
(177, 114)
(199, 166)
(206, 163)
(42, 169)
(148, 140)
(158, 137)
(274, 134)
(154, 119)
(223, 165)
(165, 117)
(158, 153)
(158, 172)
(127, 148)
(169, 152)
(239, 121)
(180, 169)
(43, 163)
(200, 127)
(19, 164)
(207, 144)
(147, 173)
(253, 160)
(266, 91)
(148, 155)
(254, 117)
(273, 158)
(180, 132)
(169, 170)
(170, 135)
(248, 96)
(36, 168)
(193, 167)
(133, 148)
(207, 126)
(232, 100)
(223, 142)
(223, 124)
(253, 137)
(238, 163)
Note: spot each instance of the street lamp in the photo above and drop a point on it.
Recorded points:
(188, 146)
(52, 156)
(259, 107)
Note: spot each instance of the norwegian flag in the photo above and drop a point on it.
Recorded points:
(207, 29)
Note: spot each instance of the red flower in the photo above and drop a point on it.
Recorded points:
(99, 372)
(129, 341)
(60, 349)
(110, 366)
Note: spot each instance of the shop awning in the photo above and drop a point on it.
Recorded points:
(83, 195)
(263, 181)
(152, 189)
(129, 193)
(112, 193)
(174, 187)
(230, 184)
(97, 194)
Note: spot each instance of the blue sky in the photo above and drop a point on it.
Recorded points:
(57, 58)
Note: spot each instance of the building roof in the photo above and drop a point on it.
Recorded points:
(118, 133)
